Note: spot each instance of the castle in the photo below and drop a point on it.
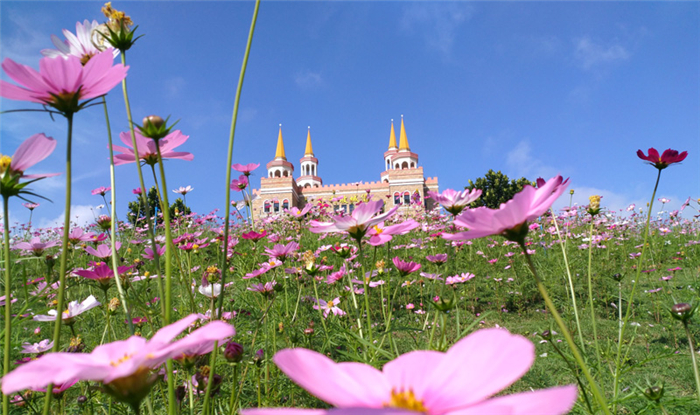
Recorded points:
(401, 183)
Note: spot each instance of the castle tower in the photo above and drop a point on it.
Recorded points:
(392, 150)
(280, 167)
(404, 158)
(309, 166)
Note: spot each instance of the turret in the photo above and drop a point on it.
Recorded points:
(309, 166)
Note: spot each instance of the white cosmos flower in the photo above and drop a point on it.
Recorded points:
(74, 309)
(211, 290)
(85, 43)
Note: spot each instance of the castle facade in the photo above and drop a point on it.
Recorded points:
(401, 183)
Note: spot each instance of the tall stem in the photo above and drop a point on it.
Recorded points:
(565, 331)
(8, 301)
(64, 256)
(590, 294)
(229, 160)
(618, 359)
(113, 213)
(692, 356)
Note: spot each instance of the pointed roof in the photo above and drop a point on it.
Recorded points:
(392, 137)
(279, 154)
(403, 141)
(309, 149)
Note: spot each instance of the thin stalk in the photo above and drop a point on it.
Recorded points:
(618, 359)
(113, 213)
(590, 295)
(229, 160)
(692, 356)
(565, 331)
(571, 282)
(64, 256)
(8, 301)
(234, 385)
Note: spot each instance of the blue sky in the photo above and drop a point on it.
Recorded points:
(532, 89)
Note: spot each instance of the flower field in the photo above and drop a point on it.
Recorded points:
(390, 309)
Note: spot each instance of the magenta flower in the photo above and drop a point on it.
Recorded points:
(78, 235)
(147, 148)
(102, 251)
(30, 206)
(358, 223)
(405, 267)
(437, 258)
(454, 201)
(245, 169)
(240, 184)
(664, 160)
(265, 289)
(299, 214)
(282, 252)
(35, 246)
(63, 83)
(100, 191)
(379, 234)
(461, 381)
(510, 220)
(32, 150)
(254, 236)
(458, 279)
(151, 255)
(102, 273)
(123, 366)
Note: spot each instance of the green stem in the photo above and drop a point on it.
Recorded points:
(234, 384)
(590, 295)
(113, 233)
(8, 300)
(565, 332)
(571, 283)
(64, 256)
(618, 359)
(227, 208)
(692, 356)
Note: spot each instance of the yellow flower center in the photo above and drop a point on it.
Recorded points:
(378, 229)
(405, 400)
(5, 162)
(120, 360)
(330, 304)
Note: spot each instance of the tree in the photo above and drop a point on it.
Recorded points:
(496, 188)
(137, 210)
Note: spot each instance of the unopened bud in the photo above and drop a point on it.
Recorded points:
(153, 120)
(233, 352)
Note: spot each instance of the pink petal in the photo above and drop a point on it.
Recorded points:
(338, 384)
(24, 75)
(412, 371)
(11, 91)
(283, 411)
(552, 401)
(31, 151)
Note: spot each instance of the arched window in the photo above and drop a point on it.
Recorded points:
(277, 206)
(306, 186)
(277, 173)
(404, 165)
(396, 166)
(285, 204)
(413, 165)
(266, 206)
(407, 198)
(270, 174)
(313, 170)
(315, 185)
(397, 198)
(286, 173)
(388, 164)
(307, 169)
(386, 180)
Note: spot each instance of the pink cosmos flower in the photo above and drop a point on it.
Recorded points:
(32, 150)
(664, 160)
(510, 220)
(461, 381)
(147, 148)
(454, 201)
(379, 234)
(62, 83)
(30, 206)
(102, 251)
(36, 348)
(254, 236)
(100, 191)
(264, 289)
(282, 252)
(299, 214)
(405, 267)
(102, 273)
(183, 190)
(123, 366)
(358, 223)
(240, 184)
(149, 254)
(329, 307)
(78, 235)
(35, 246)
(458, 279)
(245, 169)
(437, 258)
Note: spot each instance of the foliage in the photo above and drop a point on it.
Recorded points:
(137, 210)
(497, 188)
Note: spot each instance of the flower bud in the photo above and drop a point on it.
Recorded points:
(546, 335)
(233, 352)
(683, 312)
(153, 120)
(618, 277)
(654, 393)
(594, 205)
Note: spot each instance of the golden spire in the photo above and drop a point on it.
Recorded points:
(309, 150)
(392, 137)
(403, 141)
(279, 154)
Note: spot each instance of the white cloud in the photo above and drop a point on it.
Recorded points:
(308, 79)
(521, 163)
(24, 42)
(438, 22)
(81, 215)
(174, 85)
(591, 54)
